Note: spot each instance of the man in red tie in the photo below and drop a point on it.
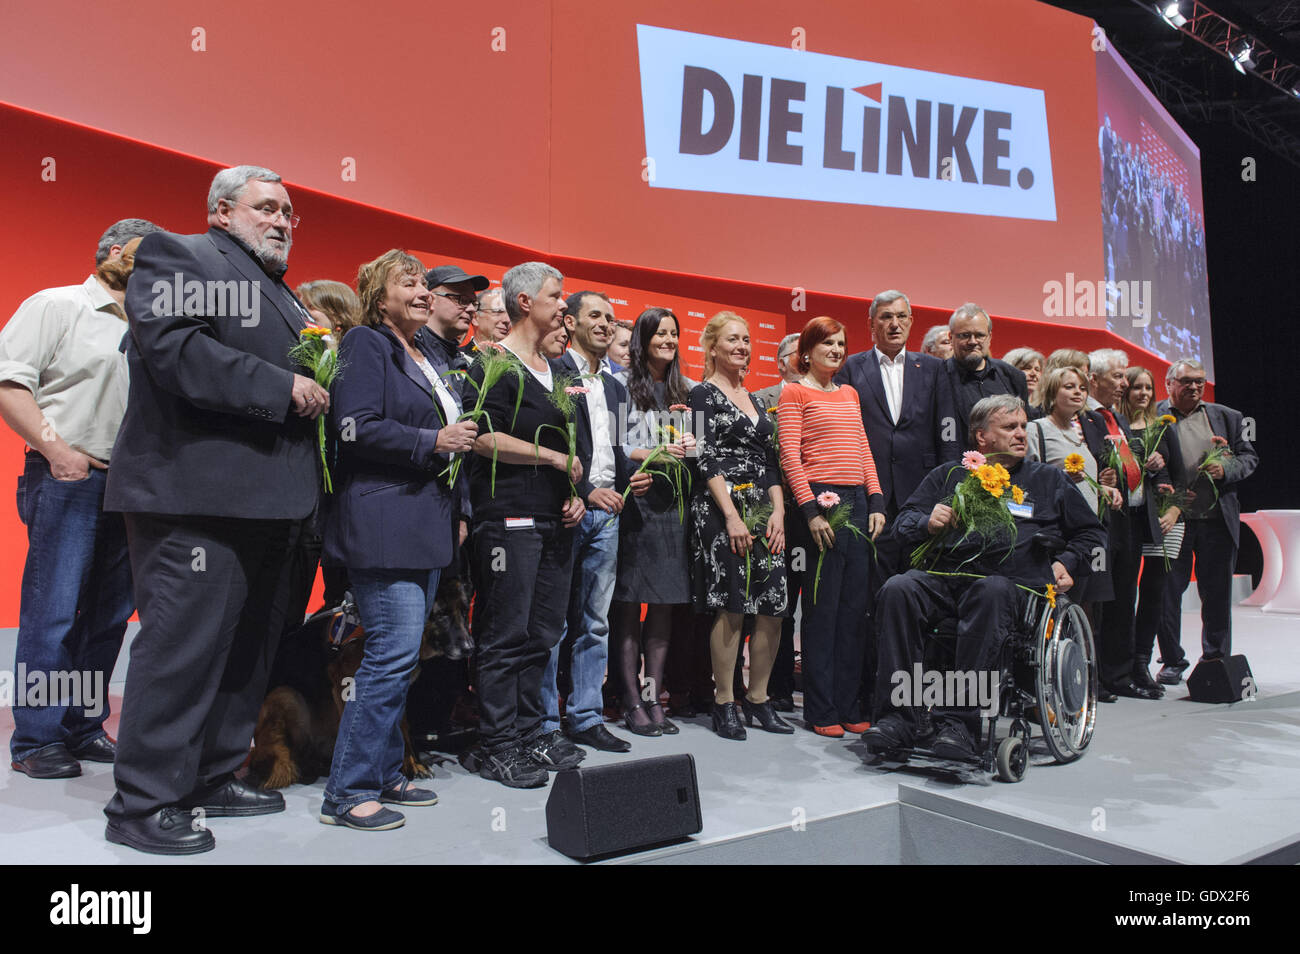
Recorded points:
(1128, 528)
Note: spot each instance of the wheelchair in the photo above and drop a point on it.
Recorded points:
(1047, 682)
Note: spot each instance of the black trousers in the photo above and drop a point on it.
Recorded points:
(212, 595)
(521, 586)
(834, 635)
(1150, 613)
(912, 603)
(1115, 643)
(1208, 543)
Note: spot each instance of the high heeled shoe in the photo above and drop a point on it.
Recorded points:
(766, 715)
(726, 721)
(649, 729)
(666, 727)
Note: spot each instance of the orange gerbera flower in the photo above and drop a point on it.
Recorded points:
(1074, 464)
(314, 331)
(1017, 495)
(1050, 593)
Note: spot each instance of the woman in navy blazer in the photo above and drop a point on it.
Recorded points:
(389, 524)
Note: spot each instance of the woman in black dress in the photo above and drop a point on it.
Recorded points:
(738, 553)
(653, 556)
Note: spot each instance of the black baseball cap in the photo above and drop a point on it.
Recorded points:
(451, 275)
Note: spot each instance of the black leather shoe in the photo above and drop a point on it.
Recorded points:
(1171, 675)
(235, 799)
(954, 742)
(168, 831)
(649, 729)
(1131, 690)
(782, 703)
(1142, 679)
(766, 715)
(891, 732)
(102, 749)
(53, 761)
(666, 727)
(1105, 695)
(599, 737)
(726, 721)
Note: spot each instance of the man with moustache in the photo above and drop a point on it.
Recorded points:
(972, 372)
(63, 384)
(216, 469)
(489, 321)
(589, 318)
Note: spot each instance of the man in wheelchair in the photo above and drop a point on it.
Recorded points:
(985, 601)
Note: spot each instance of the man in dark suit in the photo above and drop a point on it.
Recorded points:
(589, 318)
(904, 405)
(786, 353)
(972, 373)
(215, 469)
(1212, 515)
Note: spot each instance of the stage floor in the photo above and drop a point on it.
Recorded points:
(1170, 781)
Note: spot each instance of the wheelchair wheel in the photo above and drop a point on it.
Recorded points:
(1066, 681)
(1013, 758)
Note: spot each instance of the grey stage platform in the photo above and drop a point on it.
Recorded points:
(1170, 781)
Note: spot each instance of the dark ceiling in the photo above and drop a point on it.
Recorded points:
(1198, 86)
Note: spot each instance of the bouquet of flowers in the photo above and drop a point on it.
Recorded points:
(755, 521)
(979, 506)
(314, 353)
(838, 515)
(660, 461)
(1219, 453)
(1075, 467)
(496, 363)
(1146, 442)
(565, 390)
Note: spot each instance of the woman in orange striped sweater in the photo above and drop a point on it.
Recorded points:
(827, 462)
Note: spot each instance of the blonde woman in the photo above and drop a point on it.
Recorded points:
(739, 567)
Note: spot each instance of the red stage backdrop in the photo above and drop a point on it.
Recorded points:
(783, 164)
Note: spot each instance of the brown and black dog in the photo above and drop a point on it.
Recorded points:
(314, 670)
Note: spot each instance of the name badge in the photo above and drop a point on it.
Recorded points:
(519, 523)
(1024, 510)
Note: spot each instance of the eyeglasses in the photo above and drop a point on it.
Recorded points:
(272, 212)
(490, 311)
(1191, 382)
(970, 336)
(460, 300)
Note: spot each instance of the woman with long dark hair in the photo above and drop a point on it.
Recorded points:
(653, 557)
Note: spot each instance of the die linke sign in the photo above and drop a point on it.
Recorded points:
(749, 119)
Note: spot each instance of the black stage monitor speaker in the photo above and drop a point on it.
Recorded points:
(1221, 680)
(607, 809)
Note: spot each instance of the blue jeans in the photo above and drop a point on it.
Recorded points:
(393, 605)
(595, 566)
(76, 600)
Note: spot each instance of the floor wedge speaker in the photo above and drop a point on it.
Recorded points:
(608, 809)
(1221, 680)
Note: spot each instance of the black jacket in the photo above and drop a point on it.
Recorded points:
(208, 428)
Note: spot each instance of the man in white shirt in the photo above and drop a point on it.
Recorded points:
(63, 388)
(589, 318)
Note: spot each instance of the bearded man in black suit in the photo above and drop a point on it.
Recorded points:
(215, 470)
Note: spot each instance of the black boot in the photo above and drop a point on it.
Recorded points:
(766, 715)
(726, 721)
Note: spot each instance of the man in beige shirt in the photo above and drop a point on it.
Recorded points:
(63, 387)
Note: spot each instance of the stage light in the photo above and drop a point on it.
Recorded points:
(1172, 15)
(1241, 59)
